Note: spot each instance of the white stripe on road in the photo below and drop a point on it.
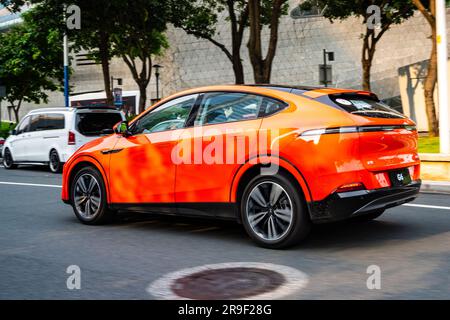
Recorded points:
(426, 206)
(30, 184)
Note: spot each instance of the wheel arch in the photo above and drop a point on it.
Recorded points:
(82, 162)
(248, 171)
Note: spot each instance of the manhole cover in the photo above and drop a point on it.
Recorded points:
(227, 283)
(237, 280)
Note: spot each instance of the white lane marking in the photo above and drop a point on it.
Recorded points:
(294, 279)
(30, 184)
(426, 206)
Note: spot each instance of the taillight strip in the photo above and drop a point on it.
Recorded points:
(315, 132)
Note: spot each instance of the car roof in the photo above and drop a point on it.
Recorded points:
(70, 109)
(306, 91)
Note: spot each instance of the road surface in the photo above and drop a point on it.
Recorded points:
(40, 238)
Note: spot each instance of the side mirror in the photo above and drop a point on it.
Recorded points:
(13, 132)
(122, 128)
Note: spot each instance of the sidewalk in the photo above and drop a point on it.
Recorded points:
(435, 186)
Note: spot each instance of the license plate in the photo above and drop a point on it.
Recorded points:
(400, 177)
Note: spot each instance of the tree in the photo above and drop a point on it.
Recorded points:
(264, 13)
(30, 60)
(139, 36)
(200, 20)
(428, 9)
(390, 13)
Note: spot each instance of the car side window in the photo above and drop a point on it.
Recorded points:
(271, 106)
(221, 107)
(169, 116)
(51, 121)
(24, 126)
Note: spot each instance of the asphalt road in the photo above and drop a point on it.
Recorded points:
(40, 237)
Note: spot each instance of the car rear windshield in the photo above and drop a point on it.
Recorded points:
(365, 106)
(93, 123)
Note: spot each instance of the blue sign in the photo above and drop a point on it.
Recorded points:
(118, 100)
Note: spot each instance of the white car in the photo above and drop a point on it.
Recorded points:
(50, 136)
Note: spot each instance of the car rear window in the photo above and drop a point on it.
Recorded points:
(93, 123)
(365, 106)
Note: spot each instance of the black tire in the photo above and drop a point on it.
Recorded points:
(299, 223)
(368, 216)
(100, 216)
(8, 161)
(54, 162)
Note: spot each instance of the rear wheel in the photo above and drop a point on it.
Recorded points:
(55, 164)
(88, 197)
(8, 161)
(368, 216)
(273, 212)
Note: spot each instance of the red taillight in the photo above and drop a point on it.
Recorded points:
(351, 187)
(2, 142)
(71, 140)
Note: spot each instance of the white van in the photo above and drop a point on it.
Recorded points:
(50, 136)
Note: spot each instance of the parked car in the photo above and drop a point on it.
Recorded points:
(50, 136)
(331, 154)
(2, 142)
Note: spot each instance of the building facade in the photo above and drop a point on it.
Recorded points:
(192, 62)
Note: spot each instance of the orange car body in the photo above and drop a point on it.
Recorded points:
(329, 152)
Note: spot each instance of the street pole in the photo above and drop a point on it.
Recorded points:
(325, 67)
(66, 65)
(444, 130)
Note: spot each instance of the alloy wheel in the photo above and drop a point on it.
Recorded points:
(269, 211)
(87, 196)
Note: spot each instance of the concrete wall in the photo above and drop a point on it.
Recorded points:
(191, 62)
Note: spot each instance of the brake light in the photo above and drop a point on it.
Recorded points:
(351, 187)
(71, 140)
(2, 142)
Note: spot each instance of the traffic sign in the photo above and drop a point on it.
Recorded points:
(118, 99)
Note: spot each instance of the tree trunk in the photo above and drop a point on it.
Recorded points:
(103, 49)
(429, 86)
(262, 67)
(366, 66)
(16, 113)
(142, 97)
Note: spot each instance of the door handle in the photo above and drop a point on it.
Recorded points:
(111, 151)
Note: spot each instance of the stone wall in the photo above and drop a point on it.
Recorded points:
(191, 62)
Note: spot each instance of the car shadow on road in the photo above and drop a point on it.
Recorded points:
(326, 236)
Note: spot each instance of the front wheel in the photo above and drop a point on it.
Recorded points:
(8, 161)
(88, 197)
(273, 212)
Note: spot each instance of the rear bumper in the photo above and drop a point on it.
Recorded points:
(340, 206)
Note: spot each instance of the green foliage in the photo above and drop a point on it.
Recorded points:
(429, 145)
(392, 12)
(5, 128)
(30, 60)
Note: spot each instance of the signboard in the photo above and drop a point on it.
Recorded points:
(118, 101)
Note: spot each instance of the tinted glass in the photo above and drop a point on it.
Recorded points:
(93, 123)
(169, 116)
(365, 106)
(271, 106)
(45, 122)
(220, 107)
(24, 126)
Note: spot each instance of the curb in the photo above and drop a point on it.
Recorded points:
(435, 187)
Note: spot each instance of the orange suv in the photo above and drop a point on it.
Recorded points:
(275, 158)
